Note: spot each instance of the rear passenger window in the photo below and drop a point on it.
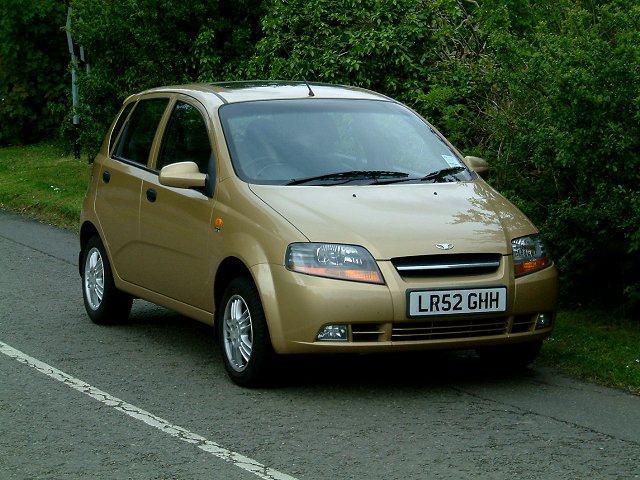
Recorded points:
(186, 138)
(137, 138)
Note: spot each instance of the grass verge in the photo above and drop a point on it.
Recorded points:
(596, 346)
(43, 182)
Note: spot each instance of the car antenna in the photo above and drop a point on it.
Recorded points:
(311, 94)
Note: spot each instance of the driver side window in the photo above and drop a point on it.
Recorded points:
(186, 138)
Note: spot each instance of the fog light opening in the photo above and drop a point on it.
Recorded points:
(333, 333)
(544, 320)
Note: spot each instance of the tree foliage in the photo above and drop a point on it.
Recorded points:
(137, 44)
(547, 90)
(33, 69)
(393, 46)
(566, 135)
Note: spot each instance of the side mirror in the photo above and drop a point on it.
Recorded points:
(183, 175)
(478, 165)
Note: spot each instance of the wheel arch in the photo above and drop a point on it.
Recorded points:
(262, 277)
(230, 268)
(87, 230)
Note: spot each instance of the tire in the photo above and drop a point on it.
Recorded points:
(510, 357)
(245, 344)
(104, 303)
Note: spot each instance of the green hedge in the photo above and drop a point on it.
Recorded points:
(137, 44)
(547, 90)
(34, 81)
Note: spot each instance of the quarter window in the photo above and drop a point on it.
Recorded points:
(186, 138)
(137, 138)
(118, 126)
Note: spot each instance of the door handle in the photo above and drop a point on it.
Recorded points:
(152, 195)
(106, 176)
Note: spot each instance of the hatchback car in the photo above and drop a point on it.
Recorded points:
(308, 218)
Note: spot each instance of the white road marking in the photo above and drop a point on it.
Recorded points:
(164, 426)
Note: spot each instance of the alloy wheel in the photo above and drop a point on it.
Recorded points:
(94, 278)
(237, 333)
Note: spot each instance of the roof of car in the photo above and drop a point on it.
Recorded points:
(232, 92)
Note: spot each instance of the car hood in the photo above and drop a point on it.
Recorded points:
(401, 220)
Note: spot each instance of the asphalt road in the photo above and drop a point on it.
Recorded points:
(150, 400)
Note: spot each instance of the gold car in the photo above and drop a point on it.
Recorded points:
(308, 218)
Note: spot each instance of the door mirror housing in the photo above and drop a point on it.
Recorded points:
(478, 165)
(183, 175)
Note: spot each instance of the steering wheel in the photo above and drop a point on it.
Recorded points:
(273, 165)
(257, 167)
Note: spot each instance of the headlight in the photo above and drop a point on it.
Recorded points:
(343, 262)
(529, 254)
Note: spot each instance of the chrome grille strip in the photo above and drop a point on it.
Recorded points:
(438, 330)
(434, 330)
(448, 266)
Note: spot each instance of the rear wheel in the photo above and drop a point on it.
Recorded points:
(104, 303)
(244, 336)
(511, 357)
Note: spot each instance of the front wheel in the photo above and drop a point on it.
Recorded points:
(244, 336)
(104, 303)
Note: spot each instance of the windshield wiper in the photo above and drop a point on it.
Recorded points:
(431, 177)
(350, 176)
(440, 174)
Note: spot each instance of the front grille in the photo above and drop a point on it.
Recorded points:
(439, 329)
(448, 329)
(523, 323)
(367, 332)
(447, 265)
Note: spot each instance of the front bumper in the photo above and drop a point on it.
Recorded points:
(299, 306)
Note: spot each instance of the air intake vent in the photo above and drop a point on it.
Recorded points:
(441, 330)
(367, 332)
(523, 323)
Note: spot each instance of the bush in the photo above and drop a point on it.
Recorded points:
(565, 128)
(547, 90)
(34, 80)
(390, 46)
(137, 44)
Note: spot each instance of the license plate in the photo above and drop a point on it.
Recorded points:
(423, 303)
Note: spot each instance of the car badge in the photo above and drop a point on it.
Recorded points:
(444, 246)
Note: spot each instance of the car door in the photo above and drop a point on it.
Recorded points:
(117, 202)
(175, 223)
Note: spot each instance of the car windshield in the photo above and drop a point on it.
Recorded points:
(336, 142)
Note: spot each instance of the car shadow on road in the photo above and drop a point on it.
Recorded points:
(415, 369)
(164, 329)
